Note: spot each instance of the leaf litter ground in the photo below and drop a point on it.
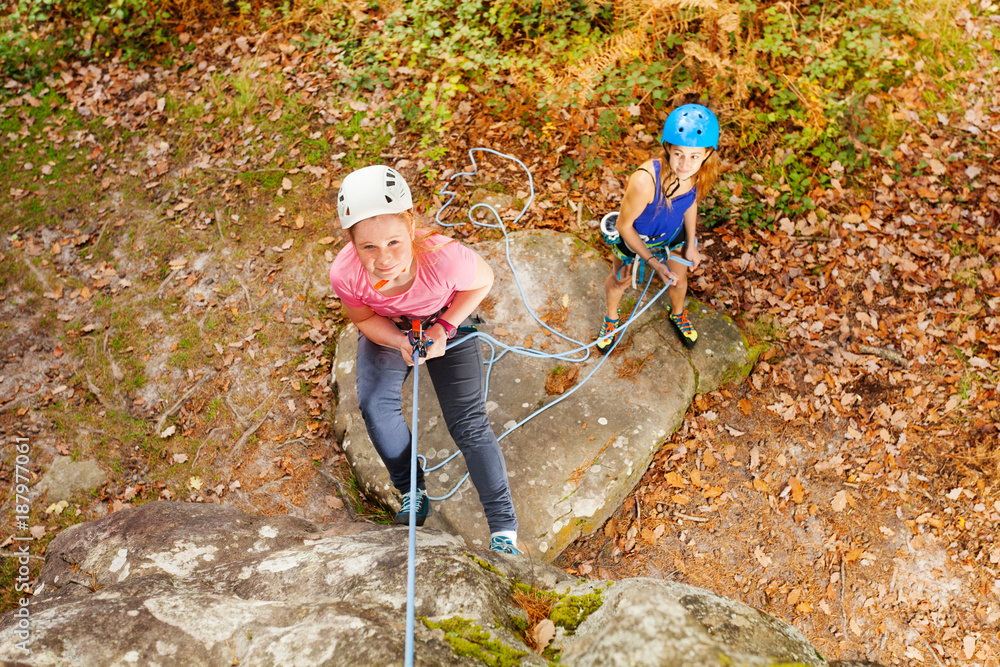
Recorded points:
(165, 312)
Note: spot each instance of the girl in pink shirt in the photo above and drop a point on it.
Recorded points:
(393, 272)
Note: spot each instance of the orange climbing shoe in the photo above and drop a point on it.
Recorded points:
(688, 335)
(605, 339)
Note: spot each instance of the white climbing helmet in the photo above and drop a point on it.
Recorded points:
(371, 191)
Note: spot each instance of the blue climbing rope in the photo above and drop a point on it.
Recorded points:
(411, 553)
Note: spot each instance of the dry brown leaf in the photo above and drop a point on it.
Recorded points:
(708, 458)
(762, 557)
(673, 478)
(798, 494)
(840, 501)
(543, 634)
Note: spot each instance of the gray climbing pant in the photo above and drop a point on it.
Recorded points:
(458, 382)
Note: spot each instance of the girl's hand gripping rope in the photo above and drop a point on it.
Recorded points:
(692, 255)
(416, 344)
(659, 264)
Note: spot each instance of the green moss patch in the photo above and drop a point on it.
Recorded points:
(469, 640)
(483, 564)
(572, 610)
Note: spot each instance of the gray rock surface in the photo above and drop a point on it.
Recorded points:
(652, 622)
(66, 476)
(570, 467)
(186, 584)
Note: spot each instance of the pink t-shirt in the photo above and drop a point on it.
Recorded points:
(440, 274)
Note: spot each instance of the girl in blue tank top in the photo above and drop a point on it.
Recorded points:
(659, 213)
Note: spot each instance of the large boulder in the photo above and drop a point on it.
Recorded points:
(186, 584)
(570, 467)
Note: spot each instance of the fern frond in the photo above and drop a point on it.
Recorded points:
(702, 54)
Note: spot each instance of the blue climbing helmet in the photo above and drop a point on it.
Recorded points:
(691, 125)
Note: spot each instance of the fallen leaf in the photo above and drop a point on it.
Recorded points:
(798, 493)
(57, 508)
(969, 647)
(37, 532)
(179, 458)
(840, 501)
(195, 483)
(326, 240)
(543, 634)
(708, 458)
(674, 479)
(762, 557)
(286, 183)
(169, 431)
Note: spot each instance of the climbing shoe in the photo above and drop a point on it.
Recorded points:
(688, 335)
(423, 509)
(504, 545)
(605, 339)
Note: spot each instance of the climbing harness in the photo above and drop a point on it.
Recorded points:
(656, 245)
(417, 338)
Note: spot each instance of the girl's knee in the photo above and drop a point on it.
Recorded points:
(614, 284)
(375, 406)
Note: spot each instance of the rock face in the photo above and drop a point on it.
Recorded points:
(651, 622)
(186, 584)
(66, 476)
(570, 467)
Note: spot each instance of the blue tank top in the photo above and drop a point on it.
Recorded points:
(660, 223)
